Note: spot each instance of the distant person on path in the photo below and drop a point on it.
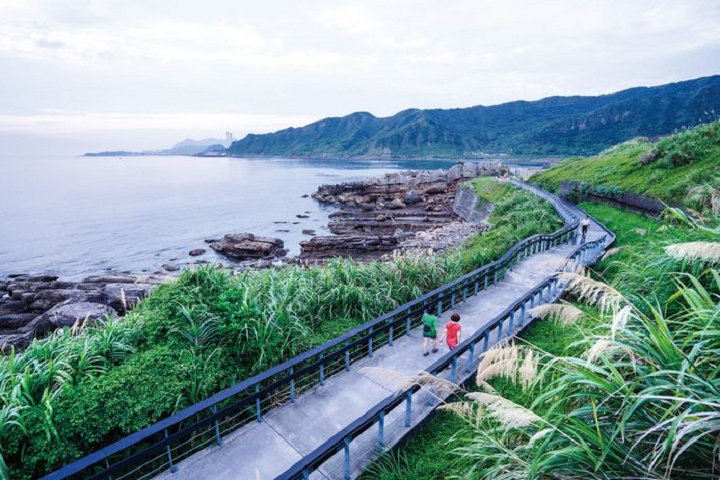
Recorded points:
(584, 225)
(430, 325)
(452, 331)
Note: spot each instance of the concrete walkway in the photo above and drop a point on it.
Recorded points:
(265, 450)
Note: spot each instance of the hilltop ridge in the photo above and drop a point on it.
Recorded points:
(574, 125)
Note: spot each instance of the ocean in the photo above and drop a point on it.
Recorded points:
(77, 216)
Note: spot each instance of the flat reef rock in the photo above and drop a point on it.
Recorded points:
(32, 306)
(246, 246)
(378, 214)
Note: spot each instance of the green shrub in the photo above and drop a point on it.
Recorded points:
(209, 330)
(687, 147)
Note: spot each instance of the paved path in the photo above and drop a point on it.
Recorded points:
(265, 450)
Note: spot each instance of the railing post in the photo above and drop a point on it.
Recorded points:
(510, 324)
(521, 322)
(453, 368)
(471, 355)
(370, 344)
(390, 333)
(500, 329)
(408, 321)
(217, 426)
(486, 341)
(452, 299)
(347, 355)
(486, 280)
(322, 369)
(173, 468)
(439, 307)
(292, 385)
(495, 281)
(381, 429)
(257, 403)
(408, 406)
(476, 287)
(464, 292)
(346, 462)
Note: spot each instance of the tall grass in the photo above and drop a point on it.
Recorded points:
(80, 390)
(679, 169)
(632, 392)
(644, 403)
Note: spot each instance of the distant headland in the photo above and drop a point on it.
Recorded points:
(186, 147)
(553, 126)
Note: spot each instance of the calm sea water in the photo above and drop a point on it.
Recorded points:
(75, 216)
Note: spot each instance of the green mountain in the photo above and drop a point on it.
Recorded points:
(551, 126)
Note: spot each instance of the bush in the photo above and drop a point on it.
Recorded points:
(688, 146)
(208, 330)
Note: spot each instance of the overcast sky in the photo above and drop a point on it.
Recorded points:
(86, 75)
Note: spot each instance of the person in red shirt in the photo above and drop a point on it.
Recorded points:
(452, 331)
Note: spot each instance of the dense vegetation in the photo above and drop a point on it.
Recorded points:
(84, 388)
(624, 382)
(625, 391)
(552, 126)
(681, 169)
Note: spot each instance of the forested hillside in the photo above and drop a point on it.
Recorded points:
(552, 126)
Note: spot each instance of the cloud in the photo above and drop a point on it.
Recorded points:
(54, 121)
(305, 60)
(52, 44)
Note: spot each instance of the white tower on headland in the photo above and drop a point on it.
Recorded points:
(228, 137)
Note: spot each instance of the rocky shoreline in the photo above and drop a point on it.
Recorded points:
(380, 215)
(412, 212)
(32, 306)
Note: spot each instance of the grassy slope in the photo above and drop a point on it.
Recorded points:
(619, 167)
(208, 330)
(639, 270)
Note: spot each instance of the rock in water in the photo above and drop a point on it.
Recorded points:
(66, 315)
(244, 246)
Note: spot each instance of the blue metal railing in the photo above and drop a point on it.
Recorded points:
(504, 325)
(165, 443)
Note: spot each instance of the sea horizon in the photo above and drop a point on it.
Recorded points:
(75, 216)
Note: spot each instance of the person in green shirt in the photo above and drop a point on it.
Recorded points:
(430, 326)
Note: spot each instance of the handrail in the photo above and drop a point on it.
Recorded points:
(299, 372)
(314, 459)
(516, 312)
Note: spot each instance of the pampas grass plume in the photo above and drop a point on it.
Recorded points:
(707, 252)
(594, 293)
(612, 252)
(620, 319)
(508, 413)
(601, 348)
(566, 314)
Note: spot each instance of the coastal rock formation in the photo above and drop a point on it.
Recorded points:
(359, 247)
(394, 206)
(447, 236)
(246, 246)
(34, 305)
(67, 315)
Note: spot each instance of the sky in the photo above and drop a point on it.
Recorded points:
(91, 75)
